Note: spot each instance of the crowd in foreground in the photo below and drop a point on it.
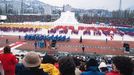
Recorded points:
(33, 64)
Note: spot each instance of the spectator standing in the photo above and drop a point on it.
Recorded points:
(8, 61)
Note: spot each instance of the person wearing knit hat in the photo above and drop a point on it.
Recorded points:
(30, 65)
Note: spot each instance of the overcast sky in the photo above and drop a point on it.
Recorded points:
(92, 4)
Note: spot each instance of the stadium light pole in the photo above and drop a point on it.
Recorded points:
(21, 7)
(120, 4)
(120, 8)
(5, 2)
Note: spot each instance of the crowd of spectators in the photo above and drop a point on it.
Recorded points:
(106, 20)
(84, 19)
(34, 64)
(24, 18)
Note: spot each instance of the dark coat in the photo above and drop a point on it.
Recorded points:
(93, 70)
(21, 70)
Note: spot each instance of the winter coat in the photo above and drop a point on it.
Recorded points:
(50, 68)
(9, 62)
(92, 70)
(22, 70)
(113, 73)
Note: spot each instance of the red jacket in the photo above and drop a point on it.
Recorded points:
(113, 73)
(9, 62)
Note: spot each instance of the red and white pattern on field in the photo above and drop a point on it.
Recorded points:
(13, 45)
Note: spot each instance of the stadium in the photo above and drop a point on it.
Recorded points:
(97, 38)
(71, 33)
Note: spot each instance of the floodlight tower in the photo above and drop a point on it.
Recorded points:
(5, 2)
(22, 7)
(120, 5)
(120, 8)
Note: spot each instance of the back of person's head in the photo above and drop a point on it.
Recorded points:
(92, 62)
(48, 59)
(92, 65)
(31, 60)
(7, 49)
(76, 61)
(67, 66)
(104, 69)
(123, 64)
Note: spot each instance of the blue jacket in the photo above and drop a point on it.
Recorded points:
(21, 70)
(92, 70)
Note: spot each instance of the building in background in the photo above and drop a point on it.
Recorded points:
(35, 7)
(22, 7)
(67, 8)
